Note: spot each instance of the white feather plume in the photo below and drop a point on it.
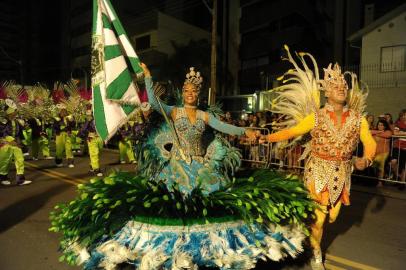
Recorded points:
(299, 95)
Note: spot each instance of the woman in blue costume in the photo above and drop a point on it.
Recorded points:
(187, 167)
(182, 210)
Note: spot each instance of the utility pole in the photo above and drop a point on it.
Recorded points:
(213, 81)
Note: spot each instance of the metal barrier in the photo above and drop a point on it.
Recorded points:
(394, 165)
(255, 152)
(271, 155)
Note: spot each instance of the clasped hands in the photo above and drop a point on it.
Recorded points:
(251, 134)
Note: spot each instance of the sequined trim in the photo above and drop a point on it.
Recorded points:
(190, 135)
(334, 143)
(335, 175)
(331, 108)
(161, 141)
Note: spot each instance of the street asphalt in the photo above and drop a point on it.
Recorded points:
(369, 234)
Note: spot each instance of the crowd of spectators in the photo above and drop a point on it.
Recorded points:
(260, 152)
(390, 136)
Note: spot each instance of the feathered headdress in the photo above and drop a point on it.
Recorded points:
(299, 96)
(357, 95)
(333, 78)
(77, 103)
(15, 94)
(39, 103)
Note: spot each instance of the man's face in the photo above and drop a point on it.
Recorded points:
(337, 91)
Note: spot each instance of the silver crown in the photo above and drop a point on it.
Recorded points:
(194, 77)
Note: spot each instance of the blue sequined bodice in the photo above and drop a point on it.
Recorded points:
(190, 135)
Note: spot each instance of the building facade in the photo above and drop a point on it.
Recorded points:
(383, 61)
(318, 27)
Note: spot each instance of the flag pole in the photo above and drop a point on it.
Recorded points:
(173, 132)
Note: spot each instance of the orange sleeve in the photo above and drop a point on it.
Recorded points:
(304, 126)
(367, 140)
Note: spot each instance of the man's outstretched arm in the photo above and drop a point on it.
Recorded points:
(303, 127)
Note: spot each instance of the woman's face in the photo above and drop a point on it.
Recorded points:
(388, 117)
(190, 94)
(370, 118)
(381, 126)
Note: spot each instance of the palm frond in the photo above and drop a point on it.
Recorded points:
(13, 91)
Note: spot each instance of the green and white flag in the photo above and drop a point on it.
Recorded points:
(114, 61)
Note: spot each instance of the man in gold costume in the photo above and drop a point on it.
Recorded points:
(335, 130)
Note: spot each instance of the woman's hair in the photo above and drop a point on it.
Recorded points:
(385, 124)
(401, 113)
(255, 119)
(391, 118)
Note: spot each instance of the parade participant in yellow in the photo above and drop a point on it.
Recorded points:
(10, 146)
(63, 129)
(335, 130)
(94, 143)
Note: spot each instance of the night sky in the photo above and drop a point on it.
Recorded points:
(43, 26)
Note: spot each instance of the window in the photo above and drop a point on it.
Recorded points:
(255, 62)
(143, 43)
(393, 58)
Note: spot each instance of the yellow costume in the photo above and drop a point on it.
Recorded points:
(334, 129)
(328, 169)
